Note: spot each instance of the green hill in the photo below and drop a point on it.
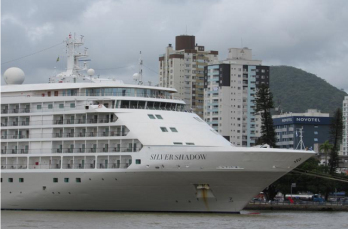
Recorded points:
(297, 91)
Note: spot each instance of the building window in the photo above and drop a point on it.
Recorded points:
(72, 105)
(66, 180)
(159, 116)
(78, 180)
(21, 180)
(10, 180)
(315, 126)
(164, 129)
(61, 105)
(50, 106)
(315, 139)
(137, 161)
(173, 129)
(38, 107)
(315, 132)
(151, 116)
(55, 180)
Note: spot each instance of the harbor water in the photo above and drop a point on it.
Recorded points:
(247, 219)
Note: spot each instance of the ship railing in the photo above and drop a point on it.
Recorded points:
(118, 94)
(64, 135)
(79, 165)
(14, 166)
(95, 150)
(14, 136)
(15, 151)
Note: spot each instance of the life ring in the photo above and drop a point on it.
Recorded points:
(99, 106)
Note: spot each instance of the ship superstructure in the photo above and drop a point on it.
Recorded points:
(112, 146)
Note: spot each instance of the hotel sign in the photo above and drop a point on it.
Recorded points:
(302, 120)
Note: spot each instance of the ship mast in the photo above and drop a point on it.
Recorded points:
(73, 56)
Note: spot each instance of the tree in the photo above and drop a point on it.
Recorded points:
(264, 103)
(336, 130)
(326, 146)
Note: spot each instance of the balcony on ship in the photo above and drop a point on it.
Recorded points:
(69, 132)
(24, 108)
(4, 121)
(68, 147)
(80, 132)
(80, 147)
(91, 132)
(13, 121)
(24, 121)
(4, 109)
(13, 108)
(104, 131)
(57, 133)
(58, 119)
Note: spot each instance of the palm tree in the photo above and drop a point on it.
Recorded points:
(326, 146)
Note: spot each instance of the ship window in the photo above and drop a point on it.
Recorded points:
(38, 107)
(1, 180)
(50, 106)
(164, 129)
(10, 180)
(159, 116)
(78, 180)
(61, 105)
(173, 129)
(190, 143)
(138, 161)
(66, 180)
(21, 180)
(55, 93)
(151, 116)
(177, 143)
(55, 180)
(72, 105)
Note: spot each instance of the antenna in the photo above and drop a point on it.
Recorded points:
(186, 29)
(138, 77)
(140, 69)
(300, 143)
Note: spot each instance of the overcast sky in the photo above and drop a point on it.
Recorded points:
(308, 34)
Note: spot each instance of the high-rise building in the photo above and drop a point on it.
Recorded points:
(230, 87)
(313, 125)
(345, 126)
(182, 68)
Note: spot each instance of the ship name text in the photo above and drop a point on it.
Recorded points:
(177, 157)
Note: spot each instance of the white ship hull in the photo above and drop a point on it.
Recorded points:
(163, 186)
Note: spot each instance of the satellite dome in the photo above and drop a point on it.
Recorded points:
(14, 76)
(136, 76)
(90, 72)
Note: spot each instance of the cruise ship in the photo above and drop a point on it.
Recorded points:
(85, 143)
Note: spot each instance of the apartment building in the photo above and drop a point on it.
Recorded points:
(345, 126)
(182, 68)
(229, 96)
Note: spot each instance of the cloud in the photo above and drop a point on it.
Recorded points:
(310, 34)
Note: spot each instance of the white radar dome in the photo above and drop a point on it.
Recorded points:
(90, 72)
(14, 76)
(136, 76)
